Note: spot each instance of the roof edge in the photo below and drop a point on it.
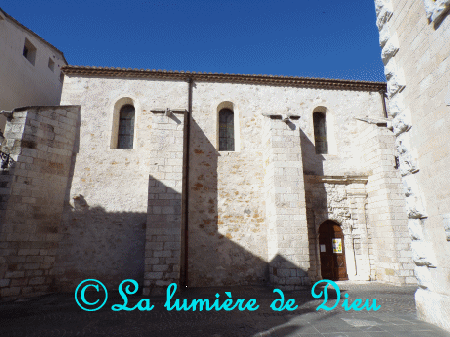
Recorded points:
(221, 77)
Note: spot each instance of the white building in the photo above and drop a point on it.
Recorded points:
(30, 71)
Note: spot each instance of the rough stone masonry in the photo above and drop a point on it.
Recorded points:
(177, 208)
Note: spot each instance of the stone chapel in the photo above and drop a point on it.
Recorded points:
(203, 180)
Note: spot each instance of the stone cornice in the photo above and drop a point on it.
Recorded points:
(321, 83)
(43, 107)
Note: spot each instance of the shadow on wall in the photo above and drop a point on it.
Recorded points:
(316, 199)
(96, 243)
(115, 252)
(230, 250)
(214, 256)
(108, 246)
(312, 162)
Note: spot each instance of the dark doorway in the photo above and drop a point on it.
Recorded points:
(332, 252)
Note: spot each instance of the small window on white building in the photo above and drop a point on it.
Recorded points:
(320, 132)
(226, 130)
(126, 127)
(29, 51)
(61, 77)
(51, 64)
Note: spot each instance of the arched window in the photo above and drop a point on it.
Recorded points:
(126, 127)
(226, 130)
(320, 132)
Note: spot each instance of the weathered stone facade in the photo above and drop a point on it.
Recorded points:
(417, 67)
(175, 208)
(40, 141)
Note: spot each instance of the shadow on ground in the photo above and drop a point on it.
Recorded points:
(59, 315)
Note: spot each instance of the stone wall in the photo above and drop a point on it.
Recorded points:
(390, 245)
(41, 141)
(287, 239)
(414, 39)
(112, 216)
(226, 208)
(246, 208)
(228, 219)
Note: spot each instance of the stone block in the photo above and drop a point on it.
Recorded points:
(154, 275)
(173, 275)
(423, 253)
(35, 259)
(152, 261)
(160, 267)
(8, 292)
(14, 274)
(384, 11)
(411, 280)
(165, 253)
(36, 281)
(31, 265)
(172, 245)
(154, 246)
(4, 283)
(34, 272)
(19, 282)
(384, 35)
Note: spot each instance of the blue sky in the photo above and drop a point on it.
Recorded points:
(327, 39)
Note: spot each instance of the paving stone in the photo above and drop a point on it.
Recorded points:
(59, 315)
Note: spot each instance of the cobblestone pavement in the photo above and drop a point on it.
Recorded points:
(59, 315)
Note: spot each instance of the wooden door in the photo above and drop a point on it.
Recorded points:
(332, 252)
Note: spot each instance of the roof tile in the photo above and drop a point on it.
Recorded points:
(231, 78)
